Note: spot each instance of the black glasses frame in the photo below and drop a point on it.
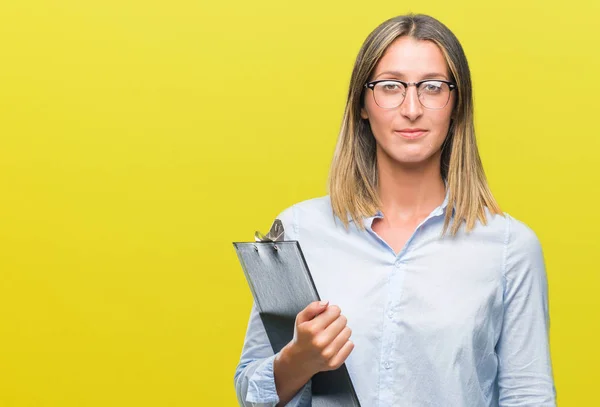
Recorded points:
(371, 85)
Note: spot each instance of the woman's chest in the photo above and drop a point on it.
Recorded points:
(431, 290)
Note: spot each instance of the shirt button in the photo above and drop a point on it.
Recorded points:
(387, 365)
(390, 315)
(397, 263)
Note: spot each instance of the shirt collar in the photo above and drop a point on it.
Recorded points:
(436, 212)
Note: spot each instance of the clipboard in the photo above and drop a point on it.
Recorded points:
(282, 286)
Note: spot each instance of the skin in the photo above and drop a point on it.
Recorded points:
(410, 187)
(321, 342)
(410, 184)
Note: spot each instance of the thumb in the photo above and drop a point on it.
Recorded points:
(312, 310)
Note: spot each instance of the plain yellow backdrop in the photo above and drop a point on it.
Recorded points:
(138, 139)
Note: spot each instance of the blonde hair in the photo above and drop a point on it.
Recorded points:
(353, 176)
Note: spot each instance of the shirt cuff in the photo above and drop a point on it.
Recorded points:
(261, 387)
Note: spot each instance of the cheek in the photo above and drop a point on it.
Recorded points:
(379, 118)
(441, 121)
(441, 118)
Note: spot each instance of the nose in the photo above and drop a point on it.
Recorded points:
(411, 107)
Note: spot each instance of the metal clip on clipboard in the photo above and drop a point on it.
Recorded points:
(282, 286)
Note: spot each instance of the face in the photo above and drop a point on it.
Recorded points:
(409, 60)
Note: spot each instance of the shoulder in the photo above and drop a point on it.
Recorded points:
(522, 256)
(519, 238)
(516, 235)
(517, 241)
(508, 229)
(523, 253)
(319, 206)
(314, 211)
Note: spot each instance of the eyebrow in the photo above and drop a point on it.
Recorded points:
(427, 75)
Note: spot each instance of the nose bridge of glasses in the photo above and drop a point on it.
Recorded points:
(407, 91)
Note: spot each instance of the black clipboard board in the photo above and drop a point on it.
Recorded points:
(282, 286)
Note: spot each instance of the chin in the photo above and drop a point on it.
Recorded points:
(412, 157)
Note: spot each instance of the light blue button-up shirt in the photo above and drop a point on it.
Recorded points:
(454, 321)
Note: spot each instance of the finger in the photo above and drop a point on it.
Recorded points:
(334, 329)
(339, 341)
(323, 320)
(312, 310)
(342, 355)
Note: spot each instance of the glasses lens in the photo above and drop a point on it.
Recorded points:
(434, 94)
(389, 94)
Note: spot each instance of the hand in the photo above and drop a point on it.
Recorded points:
(321, 338)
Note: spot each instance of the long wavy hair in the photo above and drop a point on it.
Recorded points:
(353, 175)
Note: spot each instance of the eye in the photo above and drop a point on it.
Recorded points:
(390, 87)
(432, 87)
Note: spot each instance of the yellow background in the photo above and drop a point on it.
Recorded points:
(138, 139)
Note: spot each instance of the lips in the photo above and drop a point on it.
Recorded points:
(410, 133)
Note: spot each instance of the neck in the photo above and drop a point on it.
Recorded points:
(409, 191)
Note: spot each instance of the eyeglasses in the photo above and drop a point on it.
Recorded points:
(390, 93)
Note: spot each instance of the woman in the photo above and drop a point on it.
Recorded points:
(444, 295)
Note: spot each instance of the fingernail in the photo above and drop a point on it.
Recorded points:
(323, 303)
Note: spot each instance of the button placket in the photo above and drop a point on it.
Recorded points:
(388, 337)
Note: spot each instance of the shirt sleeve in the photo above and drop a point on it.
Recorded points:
(254, 379)
(524, 366)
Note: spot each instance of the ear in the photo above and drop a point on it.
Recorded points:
(363, 113)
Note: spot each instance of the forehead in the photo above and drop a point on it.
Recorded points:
(412, 58)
